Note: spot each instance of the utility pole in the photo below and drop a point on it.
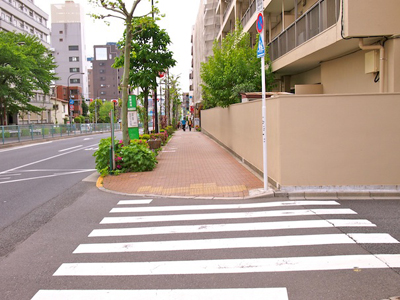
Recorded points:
(155, 90)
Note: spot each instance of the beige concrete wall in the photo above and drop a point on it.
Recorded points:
(316, 140)
(347, 75)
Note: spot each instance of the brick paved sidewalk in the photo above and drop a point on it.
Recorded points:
(190, 165)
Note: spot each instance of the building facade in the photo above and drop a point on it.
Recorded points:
(23, 16)
(205, 31)
(105, 78)
(68, 42)
(325, 46)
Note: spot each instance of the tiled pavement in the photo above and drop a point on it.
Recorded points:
(190, 165)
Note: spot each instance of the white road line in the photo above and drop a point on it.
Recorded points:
(134, 202)
(192, 294)
(222, 206)
(42, 160)
(238, 215)
(233, 243)
(48, 176)
(70, 148)
(87, 139)
(26, 146)
(232, 227)
(5, 178)
(230, 266)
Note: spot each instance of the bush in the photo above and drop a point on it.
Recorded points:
(7, 134)
(136, 157)
(45, 131)
(170, 130)
(145, 137)
(25, 132)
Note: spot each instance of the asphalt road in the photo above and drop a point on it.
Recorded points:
(38, 180)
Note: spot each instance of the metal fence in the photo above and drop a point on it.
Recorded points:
(20, 133)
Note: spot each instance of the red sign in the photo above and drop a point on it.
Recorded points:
(161, 74)
(260, 22)
(71, 107)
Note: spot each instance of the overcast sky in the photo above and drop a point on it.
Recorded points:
(179, 19)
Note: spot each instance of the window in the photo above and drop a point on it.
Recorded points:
(74, 70)
(74, 58)
(74, 80)
(103, 93)
(102, 71)
(61, 32)
(73, 48)
(101, 64)
(102, 78)
(61, 40)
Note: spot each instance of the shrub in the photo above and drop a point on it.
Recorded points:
(45, 131)
(25, 132)
(144, 137)
(7, 134)
(136, 157)
(170, 130)
(160, 136)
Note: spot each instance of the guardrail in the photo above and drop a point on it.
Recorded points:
(20, 133)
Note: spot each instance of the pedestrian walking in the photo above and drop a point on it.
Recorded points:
(183, 122)
(190, 124)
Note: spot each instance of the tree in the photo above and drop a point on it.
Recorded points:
(94, 108)
(119, 10)
(175, 98)
(149, 57)
(26, 66)
(232, 70)
(105, 112)
(85, 108)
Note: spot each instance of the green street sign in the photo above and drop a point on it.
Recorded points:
(132, 102)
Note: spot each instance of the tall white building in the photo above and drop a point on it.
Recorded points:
(68, 42)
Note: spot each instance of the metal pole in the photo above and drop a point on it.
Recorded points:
(264, 121)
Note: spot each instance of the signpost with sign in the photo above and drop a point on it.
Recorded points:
(261, 54)
(133, 124)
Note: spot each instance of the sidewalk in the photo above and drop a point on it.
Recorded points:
(190, 165)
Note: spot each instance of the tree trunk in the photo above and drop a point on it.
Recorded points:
(125, 81)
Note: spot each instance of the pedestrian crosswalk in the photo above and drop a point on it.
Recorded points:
(139, 226)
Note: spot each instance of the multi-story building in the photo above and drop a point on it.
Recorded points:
(23, 16)
(68, 43)
(106, 79)
(204, 33)
(325, 46)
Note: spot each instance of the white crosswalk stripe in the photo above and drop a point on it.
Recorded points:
(192, 294)
(249, 231)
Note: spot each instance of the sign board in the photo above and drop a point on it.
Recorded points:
(260, 23)
(132, 102)
(132, 119)
(161, 74)
(260, 5)
(71, 101)
(71, 107)
(261, 48)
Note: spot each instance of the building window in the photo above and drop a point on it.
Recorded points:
(102, 71)
(61, 32)
(102, 93)
(101, 64)
(73, 48)
(74, 70)
(74, 80)
(74, 58)
(61, 40)
(102, 78)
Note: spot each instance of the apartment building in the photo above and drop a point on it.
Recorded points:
(105, 78)
(204, 33)
(325, 46)
(68, 42)
(23, 16)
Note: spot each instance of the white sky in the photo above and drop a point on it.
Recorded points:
(179, 19)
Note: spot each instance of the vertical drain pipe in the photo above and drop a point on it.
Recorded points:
(381, 60)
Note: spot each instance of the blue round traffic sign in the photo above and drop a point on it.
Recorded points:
(260, 22)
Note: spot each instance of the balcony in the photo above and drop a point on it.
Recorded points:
(317, 19)
(249, 13)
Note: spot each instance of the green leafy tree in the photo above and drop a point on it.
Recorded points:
(26, 66)
(85, 108)
(149, 57)
(232, 70)
(174, 93)
(94, 108)
(105, 112)
(119, 9)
